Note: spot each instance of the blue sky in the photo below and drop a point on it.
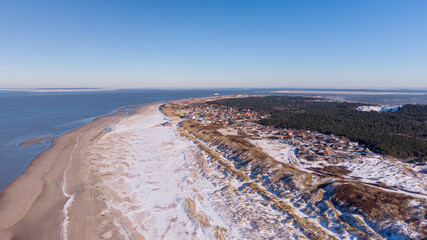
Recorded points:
(221, 43)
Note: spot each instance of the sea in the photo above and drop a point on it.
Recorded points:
(39, 113)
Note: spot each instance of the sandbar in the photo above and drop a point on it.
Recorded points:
(32, 141)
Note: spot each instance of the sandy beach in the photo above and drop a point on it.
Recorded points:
(32, 206)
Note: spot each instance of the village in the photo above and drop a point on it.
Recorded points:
(310, 145)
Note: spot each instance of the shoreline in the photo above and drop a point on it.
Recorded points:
(48, 138)
(38, 193)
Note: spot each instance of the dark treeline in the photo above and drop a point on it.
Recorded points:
(400, 134)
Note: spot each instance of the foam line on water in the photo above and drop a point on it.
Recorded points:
(67, 205)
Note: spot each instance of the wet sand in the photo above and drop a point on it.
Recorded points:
(32, 141)
(51, 190)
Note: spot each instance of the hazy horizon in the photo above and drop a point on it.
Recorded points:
(272, 90)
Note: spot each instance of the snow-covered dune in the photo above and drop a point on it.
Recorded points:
(160, 185)
(149, 178)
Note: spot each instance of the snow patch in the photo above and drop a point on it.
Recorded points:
(380, 108)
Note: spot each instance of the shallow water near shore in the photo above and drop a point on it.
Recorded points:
(29, 115)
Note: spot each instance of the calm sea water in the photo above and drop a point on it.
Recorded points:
(25, 115)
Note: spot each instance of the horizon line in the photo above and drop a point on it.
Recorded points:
(88, 89)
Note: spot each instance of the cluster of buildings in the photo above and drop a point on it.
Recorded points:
(309, 145)
(219, 114)
(317, 146)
